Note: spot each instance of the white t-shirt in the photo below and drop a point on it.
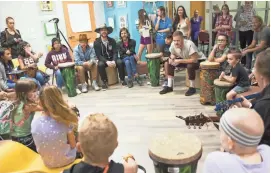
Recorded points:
(185, 52)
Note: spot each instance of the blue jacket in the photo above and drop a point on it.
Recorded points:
(80, 57)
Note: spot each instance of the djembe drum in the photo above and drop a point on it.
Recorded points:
(175, 152)
(15, 75)
(68, 74)
(221, 90)
(153, 60)
(208, 73)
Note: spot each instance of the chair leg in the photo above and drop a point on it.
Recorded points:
(53, 78)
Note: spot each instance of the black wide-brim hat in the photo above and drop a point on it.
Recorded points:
(108, 28)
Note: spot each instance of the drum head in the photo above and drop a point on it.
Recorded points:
(153, 55)
(175, 148)
(218, 82)
(209, 65)
(66, 64)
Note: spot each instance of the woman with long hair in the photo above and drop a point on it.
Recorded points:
(223, 23)
(53, 131)
(182, 22)
(145, 30)
(11, 37)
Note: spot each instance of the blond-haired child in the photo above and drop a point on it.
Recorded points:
(98, 138)
(53, 131)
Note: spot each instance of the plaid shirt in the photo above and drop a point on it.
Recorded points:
(224, 21)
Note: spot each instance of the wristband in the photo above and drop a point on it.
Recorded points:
(127, 157)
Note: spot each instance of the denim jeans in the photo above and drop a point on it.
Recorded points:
(40, 78)
(130, 65)
(59, 79)
(10, 84)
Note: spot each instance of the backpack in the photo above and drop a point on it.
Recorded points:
(6, 108)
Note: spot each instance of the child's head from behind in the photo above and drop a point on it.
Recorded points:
(5, 54)
(169, 39)
(52, 101)
(97, 138)
(26, 90)
(23, 46)
(234, 56)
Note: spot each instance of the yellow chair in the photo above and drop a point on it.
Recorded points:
(15, 62)
(17, 158)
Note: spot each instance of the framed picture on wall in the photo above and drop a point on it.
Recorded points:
(46, 5)
(109, 4)
(111, 21)
(123, 21)
(121, 4)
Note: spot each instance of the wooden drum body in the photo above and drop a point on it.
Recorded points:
(153, 61)
(68, 74)
(221, 90)
(175, 152)
(209, 71)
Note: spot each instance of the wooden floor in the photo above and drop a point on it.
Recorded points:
(141, 112)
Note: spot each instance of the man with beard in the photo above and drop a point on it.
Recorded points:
(106, 52)
(261, 38)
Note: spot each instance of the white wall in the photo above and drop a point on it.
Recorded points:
(185, 4)
(29, 20)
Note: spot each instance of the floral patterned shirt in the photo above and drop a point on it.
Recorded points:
(247, 16)
(224, 21)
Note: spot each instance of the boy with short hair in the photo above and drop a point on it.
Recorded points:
(98, 138)
(239, 75)
(165, 55)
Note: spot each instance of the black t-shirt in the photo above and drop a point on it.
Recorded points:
(166, 52)
(262, 106)
(241, 75)
(83, 167)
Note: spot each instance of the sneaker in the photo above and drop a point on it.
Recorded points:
(78, 91)
(104, 86)
(190, 91)
(124, 83)
(165, 83)
(84, 88)
(166, 89)
(130, 83)
(95, 86)
(139, 81)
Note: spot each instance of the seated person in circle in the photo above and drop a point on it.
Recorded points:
(6, 84)
(262, 103)
(57, 55)
(86, 61)
(238, 77)
(126, 48)
(184, 53)
(28, 61)
(106, 51)
(240, 141)
(219, 54)
(165, 56)
(98, 138)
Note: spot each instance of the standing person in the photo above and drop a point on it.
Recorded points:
(245, 25)
(126, 48)
(86, 61)
(145, 30)
(57, 55)
(182, 22)
(106, 51)
(195, 26)
(11, 37)
(216, 13)
(223, 23)
(55, 139)
(241, 130)
(162, 27)
(261, 39)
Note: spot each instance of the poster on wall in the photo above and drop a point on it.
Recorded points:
(46, 6)
(121, 4)
(77, 14)
(111, 22)
(109, 4)
(123, 21)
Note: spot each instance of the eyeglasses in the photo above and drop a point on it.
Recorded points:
(221, 40)
(11, 22)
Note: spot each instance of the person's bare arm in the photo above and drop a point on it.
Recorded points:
(221, 59)
(212, 54)
(192, 59)
(130, 166)
(189, 28)
(157, 24)
(230, 79)
(164, 30)
(71, 139)
(21, 64)
(261, 46)
(252, 45)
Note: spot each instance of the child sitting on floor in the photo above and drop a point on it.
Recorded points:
(238, 76)
(98, 138)
(53, 130)
(165, 55)
(25, 108)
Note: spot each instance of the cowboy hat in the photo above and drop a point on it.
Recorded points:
(108, 28)
(83, 38)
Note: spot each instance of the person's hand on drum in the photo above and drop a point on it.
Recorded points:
(245, 103)
(130, 164)
(113, 64)
(86, 64)
(222, 75)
